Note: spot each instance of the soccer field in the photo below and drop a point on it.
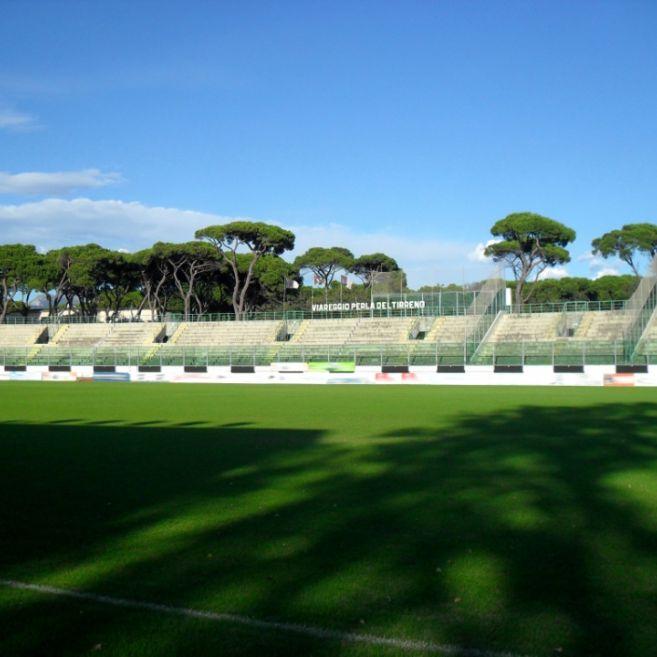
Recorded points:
(375, 520)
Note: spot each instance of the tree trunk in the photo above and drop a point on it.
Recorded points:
(140, 307)
(247, 282)
(518, 294)
(5, 302)
(50, 306)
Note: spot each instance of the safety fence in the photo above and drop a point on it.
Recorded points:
(567, 352)
(640, 310)
(434, 306)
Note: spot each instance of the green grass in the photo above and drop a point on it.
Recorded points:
(519, 519)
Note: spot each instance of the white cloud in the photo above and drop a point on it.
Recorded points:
(13, 120)
(117, 224)
(425, 261)
(477, 254)
(606, 271)
(593, 261)
(56, 183)
(553, 273)
(53, 222)
(599, 266)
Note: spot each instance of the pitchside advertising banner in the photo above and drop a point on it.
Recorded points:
(339, 372)
(376, 305)
(333, 367)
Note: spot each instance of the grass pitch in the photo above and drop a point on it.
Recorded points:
(498, 519)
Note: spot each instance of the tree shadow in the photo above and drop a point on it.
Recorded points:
(531, 530)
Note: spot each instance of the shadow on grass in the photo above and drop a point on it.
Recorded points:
(533, 530)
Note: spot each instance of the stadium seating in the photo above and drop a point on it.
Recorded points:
(529, 338)
(109, 335)
(226, 333)
(538, 327)
(354, 331)
(98, 344)
(80, 335)
(451, 329)
(602, 325)
(324, 331)
(20, 334)
(125, 335)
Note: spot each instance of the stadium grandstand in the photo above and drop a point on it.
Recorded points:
(485, 331)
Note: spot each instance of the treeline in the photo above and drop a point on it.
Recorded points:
(605, 288)
(234, 267)
(239, 267)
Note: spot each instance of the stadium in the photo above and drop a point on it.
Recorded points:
(484, 490)
(328, 329)
(451, 338)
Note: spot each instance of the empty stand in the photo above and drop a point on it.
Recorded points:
(20, 335)
(452, 329)
(538, 327)
(602, 325)
(210, 334)
(354, 331)
(126, 335)
(107, 335)
(324, 331)
(80, 335)
(524, 338)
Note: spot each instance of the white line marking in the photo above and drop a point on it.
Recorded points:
(307, 630)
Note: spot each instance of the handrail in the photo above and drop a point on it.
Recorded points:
(563, 351)
(430, 310)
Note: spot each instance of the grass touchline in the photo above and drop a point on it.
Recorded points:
(309, 630)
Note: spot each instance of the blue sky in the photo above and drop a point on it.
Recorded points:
(408, 127)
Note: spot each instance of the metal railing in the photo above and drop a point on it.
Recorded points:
(640, 309)
(486, 305)
(565, 352)
(436, 307)
(568, 306)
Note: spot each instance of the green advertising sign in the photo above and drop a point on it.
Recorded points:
(340, 366)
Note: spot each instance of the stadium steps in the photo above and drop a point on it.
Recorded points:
(158, 335)
(324, 331)
(81, 335)
(354, 331)
(151, 353)
(131, 335)
(584, 325)
(18, 342)
(451, 328)
(298, 334)
(414, 329)
(180, 329)
(436, 327)
(59, 334)
(20, 335)
(33, 356)
(229, 333)
(602, 325)
(526, 327)
(34, 352)
(515, 338)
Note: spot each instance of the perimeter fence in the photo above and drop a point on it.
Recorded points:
(567, 352)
